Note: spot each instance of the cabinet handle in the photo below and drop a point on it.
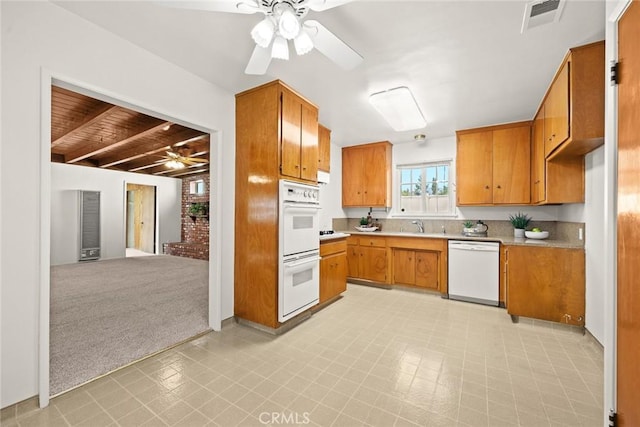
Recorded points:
(297, 166)
(537, 182)
(486, 187)
(498, 186)
(304, 169)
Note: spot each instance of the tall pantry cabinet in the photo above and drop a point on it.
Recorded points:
(276, 138)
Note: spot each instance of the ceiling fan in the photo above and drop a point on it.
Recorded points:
(175, 160)
(283, 21)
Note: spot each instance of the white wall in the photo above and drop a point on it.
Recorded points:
(40, 38)
(592, 214)
(331, 193)
(67, 179)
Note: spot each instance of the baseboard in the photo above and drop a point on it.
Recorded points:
(285, 327)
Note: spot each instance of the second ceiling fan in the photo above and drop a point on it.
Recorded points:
(283, 22)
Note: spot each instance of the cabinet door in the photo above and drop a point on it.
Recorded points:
(474, 168)
(309, 143)
(538, 183)
(353, 259)
(404, 267)
(375, 175)
(333, 276)
(511, 165)
(324, 148)
(373, 264)
(546, 283)
(427, 269)
(291, 110)
(352, 177)
(557, 111)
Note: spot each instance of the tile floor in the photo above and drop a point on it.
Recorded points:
(377, 357)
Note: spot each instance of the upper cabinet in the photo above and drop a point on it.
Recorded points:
(299, 138)
(324, 148)
(574, 104)
(493, 165)
(366, 175)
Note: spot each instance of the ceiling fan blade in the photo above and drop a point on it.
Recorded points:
(259, 61)
(194, 160)
(331, 46)
(320, 5)
(231, 6)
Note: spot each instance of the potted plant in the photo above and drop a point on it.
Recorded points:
(468, 227)
(519, 222)
(198, 209)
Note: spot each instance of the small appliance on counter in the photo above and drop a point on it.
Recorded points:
(479, 230)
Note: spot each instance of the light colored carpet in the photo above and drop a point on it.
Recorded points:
(106, 314)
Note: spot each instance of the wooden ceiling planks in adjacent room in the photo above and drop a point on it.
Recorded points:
(89, 132)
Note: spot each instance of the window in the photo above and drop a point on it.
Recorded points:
(424, 189)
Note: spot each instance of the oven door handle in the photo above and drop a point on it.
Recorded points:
(301, 262)
(300, 206)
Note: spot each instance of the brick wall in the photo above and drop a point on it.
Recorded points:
(195, 229)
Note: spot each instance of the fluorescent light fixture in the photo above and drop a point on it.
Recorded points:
(399, 108)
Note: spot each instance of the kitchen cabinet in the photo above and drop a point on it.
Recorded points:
(366, 175)
(416, 268)
(545, 283)
(333, 269)
(367, 258)
(493, 165)
(276, 129)
(299, 139)
(324, 149)
(559, 180)
(574, 104)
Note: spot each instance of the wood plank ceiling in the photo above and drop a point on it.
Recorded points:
(89, 132)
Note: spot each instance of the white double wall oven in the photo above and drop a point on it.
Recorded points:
(299, 248)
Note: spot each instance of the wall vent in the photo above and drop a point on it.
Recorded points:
(89, 202)
(541, 13)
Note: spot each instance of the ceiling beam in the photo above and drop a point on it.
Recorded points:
(83, 153)
(184, 172)
(98, 115)
(134, 153)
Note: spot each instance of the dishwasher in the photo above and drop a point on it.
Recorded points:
(474, 271)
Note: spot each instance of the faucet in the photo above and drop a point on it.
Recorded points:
(418, 222)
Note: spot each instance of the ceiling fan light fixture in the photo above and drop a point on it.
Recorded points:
(174, 164)
(263, 32)
(303, 43)
(399, 108)
(280, 48)
(288, 25)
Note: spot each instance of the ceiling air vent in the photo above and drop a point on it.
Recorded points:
(541, 12)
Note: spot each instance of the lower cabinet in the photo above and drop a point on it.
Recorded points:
(416, 268)
(333, 269)
(367, 258)
(545, 283)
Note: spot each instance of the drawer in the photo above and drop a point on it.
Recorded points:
(333, 246)
(378, 242)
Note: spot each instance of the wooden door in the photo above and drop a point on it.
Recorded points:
(353, 259)
(309, 142)
(628, 306)
(474, 168)
(352, 176)
(404, 267)
(538, 183)
(511, 165)
(427, 269)
(144, 216)
(546, 283)
(375, 176)
(291, 110)
(373, 264)
(324, 149)
(557, 111)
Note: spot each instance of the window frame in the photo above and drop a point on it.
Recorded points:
(423, 166)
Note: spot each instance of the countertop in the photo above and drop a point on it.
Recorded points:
(505, 240)
(336, 235)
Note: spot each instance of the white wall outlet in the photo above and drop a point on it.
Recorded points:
(580, 233)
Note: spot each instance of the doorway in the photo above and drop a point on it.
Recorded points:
(140, 219)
